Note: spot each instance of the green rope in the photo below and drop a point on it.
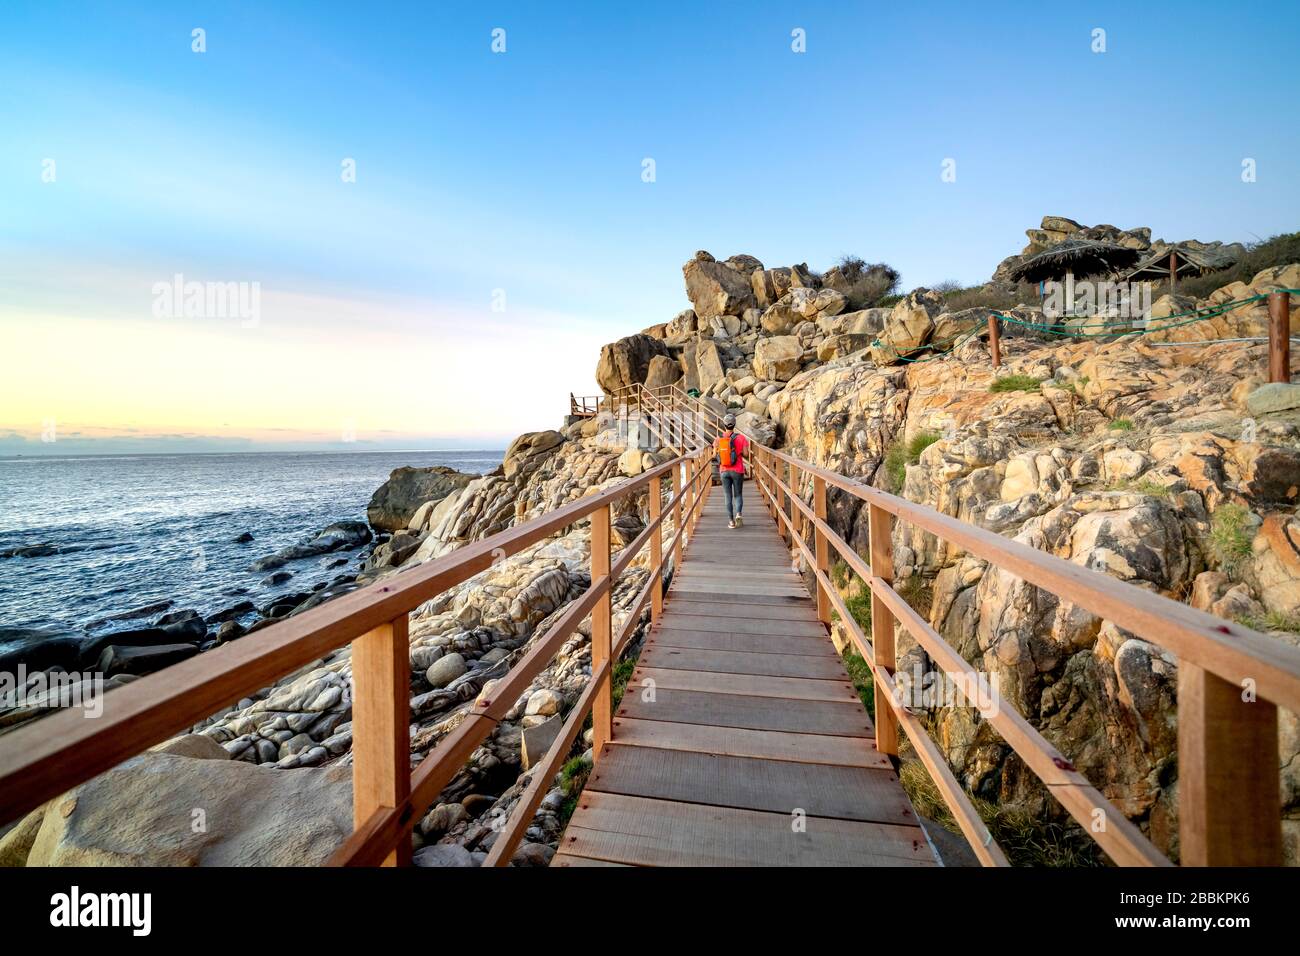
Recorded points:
(1065, 331)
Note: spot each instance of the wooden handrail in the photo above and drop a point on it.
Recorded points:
(1219, 824)
(46, 758)
(1231, 678)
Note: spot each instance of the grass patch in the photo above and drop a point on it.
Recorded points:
(863, 680)
(1026, 840)
(1272, 621)
(1153, 488)
(1231, 533)
(1015, 383)
(622, 674)
(840, 574)
(1121, 425)
(902, 454)
(573, 777)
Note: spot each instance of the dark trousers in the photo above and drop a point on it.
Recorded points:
(733, 485)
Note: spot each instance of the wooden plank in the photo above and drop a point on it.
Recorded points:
(569, 859)
(670, 636)
(716, 598)
(687, 603)
(638, 831)
(732, 662)
(749, 783)
(750, 685)
(739, 588)
(754, 713)
(750, 625)
(741, 742)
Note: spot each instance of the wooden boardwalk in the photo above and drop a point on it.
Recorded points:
(740, 740)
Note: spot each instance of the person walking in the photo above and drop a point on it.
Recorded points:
(732, 453)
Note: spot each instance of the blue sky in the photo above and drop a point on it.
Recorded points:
(519, 175)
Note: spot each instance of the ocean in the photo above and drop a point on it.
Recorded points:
(133, 530)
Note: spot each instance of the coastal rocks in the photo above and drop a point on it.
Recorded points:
(445, 670)
(1273, 397)
(778, 358)
(340, 536)
(627, 361)
(397, 499)
(141, 813)
(717, 288)
(909, 327)
(38, 648)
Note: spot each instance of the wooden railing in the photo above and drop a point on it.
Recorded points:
(584, 406)
(1231, 679)
(42, 760)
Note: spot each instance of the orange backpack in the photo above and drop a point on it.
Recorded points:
(728, 457)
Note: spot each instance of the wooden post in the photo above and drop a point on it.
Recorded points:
(1279, 337)
(602, 629)
(677, 519)
(823, 550)
(1173, 271)
(381, 727)
(656, 553)
(1229, 801)
(995, 343)
(882, 625)
(792, 479)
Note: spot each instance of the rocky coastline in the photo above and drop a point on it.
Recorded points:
(1175, 470)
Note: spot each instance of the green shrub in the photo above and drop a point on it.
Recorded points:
(1015, 383)
(1231, 532)
(573, 777)
(1121, 425)
(865, 283)
(991, 295)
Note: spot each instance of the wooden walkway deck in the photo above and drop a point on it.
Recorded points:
(740, 740)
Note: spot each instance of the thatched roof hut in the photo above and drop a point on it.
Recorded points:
(1079, 257)
(1189, 261)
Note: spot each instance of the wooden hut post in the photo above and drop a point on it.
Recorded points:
(1173, 270)
(995, 346)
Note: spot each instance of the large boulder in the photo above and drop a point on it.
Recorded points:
(528, 447)
(627, 361)
(164, 810)
(778, 358)
(708, 365)
(909, 327)
(663, 371)
(716, 288)
(397, 499)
